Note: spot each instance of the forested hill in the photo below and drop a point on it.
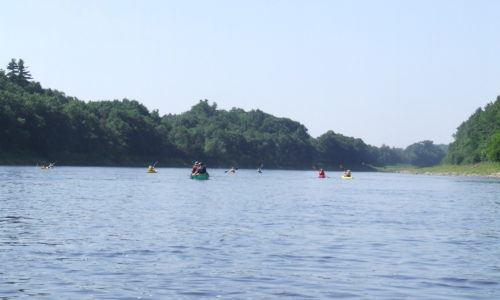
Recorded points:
(40, 125)
(478, 138)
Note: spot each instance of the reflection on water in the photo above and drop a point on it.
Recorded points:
(108, 233)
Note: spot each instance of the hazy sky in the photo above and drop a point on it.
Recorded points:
(393, 72)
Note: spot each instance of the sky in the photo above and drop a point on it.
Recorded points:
(388, 72)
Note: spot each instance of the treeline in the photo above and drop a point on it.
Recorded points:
(38, 124)
(478, 138)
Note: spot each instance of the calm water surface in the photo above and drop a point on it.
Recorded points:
(120, 233)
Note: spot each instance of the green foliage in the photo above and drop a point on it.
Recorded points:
(424, 154)
(493, 147)
(239, 138)
(476, 139)
(338, 151)
(18, 72)
(385, 156)
(45, 123)
(13, 69)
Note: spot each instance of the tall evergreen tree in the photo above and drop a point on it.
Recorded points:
(13, 70)
(23, 75)
(18, 72)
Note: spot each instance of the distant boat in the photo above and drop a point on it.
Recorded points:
(46, 167)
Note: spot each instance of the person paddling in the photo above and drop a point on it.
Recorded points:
(202, 169)
(195, 168)
(347, 173)
(321, 173)
(151, 168)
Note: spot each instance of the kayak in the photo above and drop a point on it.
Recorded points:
(346, 177)
(45, 168)
(321, 176)
(200, 176)
(152, 171)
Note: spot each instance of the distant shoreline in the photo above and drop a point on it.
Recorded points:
(456, 174)
(186, 166)
(487, 170)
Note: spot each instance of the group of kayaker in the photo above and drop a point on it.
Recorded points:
(199, 168)
(322, 174)
(233, 170)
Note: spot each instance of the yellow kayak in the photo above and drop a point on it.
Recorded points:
(346, 177)
(152, 171)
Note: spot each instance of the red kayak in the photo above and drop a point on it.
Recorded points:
(322, 176)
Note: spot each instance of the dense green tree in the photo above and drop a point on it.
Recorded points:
(424, 154)
(18, 72)
(46, 123)
(493, 147)
(23, 75)
(386, 155)
(339, 151)
(13, 70)
(476, 139)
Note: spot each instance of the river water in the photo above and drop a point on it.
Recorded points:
(121, 233)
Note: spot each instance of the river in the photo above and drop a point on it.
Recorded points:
(121, 233)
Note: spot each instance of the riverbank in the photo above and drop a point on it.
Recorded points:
(486, 169)
(27, 158)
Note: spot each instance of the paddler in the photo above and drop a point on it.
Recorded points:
(202, 169)
(195, 168)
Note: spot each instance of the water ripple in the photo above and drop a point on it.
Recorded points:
(118, 233)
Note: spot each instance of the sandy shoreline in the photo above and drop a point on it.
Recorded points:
(493, 175)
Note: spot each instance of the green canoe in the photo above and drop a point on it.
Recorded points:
(200, 177)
